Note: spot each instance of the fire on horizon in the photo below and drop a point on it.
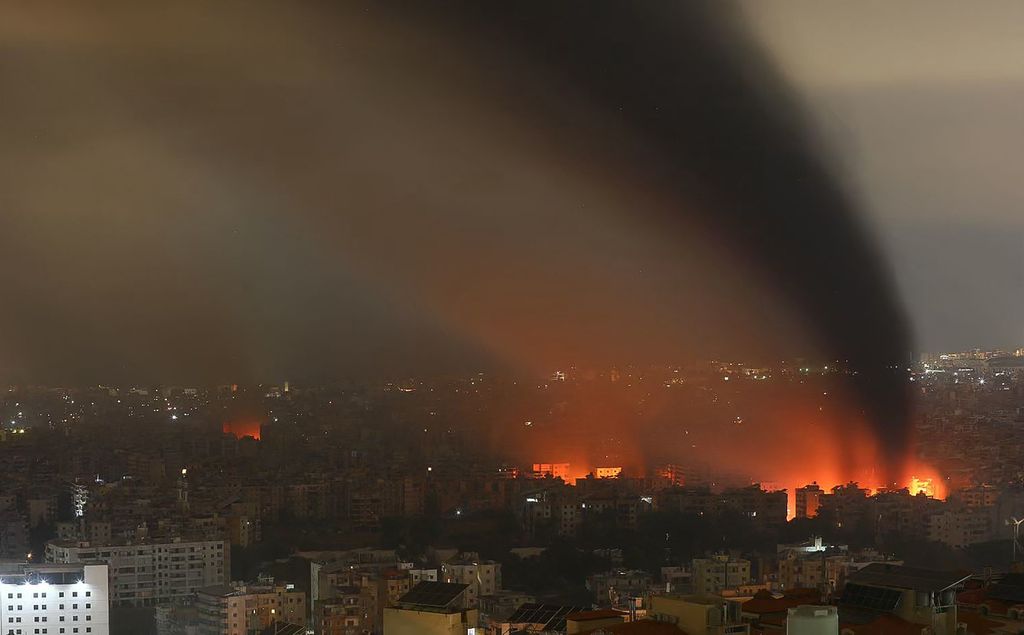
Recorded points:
(666, 196)
(923, 480)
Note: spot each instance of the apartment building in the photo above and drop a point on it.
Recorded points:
(151, 572)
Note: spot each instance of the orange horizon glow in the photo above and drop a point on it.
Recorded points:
(817, 437)
(915, 476)
(241, 429)
(571, 472)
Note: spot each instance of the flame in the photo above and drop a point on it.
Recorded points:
(924, 486)
(920, 479)
(788, 440)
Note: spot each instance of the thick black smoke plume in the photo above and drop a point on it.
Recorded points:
(720, 125)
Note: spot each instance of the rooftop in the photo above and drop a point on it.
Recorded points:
(642, 627)
(600, 614)
(706, 600)
(282, 628)
(18, 573)
(432, 595)
(765, 602)
(218, 590)
(894, 576)
(552, 616)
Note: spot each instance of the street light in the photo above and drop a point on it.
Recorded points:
(1016, 535)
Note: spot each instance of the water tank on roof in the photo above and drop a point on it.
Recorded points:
(813, 620)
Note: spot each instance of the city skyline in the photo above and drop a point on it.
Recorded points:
(571, 317)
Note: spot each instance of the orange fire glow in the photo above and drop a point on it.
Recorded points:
(554, 470)
(857, 460)
(242, 429)
(786, 439)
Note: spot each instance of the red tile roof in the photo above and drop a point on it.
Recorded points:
(972, 596)
(978, 624)
(764, 602)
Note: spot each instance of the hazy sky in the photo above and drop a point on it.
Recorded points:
(921, 101)
(249, 190)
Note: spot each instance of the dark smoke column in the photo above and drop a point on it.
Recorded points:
(720, 126)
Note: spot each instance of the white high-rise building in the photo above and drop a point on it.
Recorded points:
(149, 573)
(54, 599)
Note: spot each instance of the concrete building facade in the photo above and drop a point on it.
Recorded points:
(54, 600)
(151, 573)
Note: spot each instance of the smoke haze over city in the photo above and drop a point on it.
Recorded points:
(352, 298)
(258, 185)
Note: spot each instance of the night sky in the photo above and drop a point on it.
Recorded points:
(245, 191)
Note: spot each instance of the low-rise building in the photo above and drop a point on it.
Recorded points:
(704, 614)
(711, 575)
(619, 588)
(240, 610)
(481, 577)
(432, 608)
(882, 596)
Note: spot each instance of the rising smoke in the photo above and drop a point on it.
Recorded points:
(303, 188)
(719, 125)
